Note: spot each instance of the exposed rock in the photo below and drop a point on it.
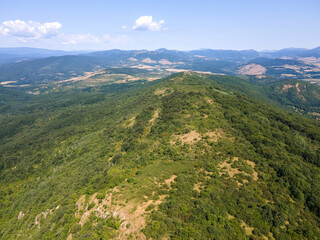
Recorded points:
(21, 214)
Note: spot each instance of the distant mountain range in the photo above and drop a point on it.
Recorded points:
(9, 55)
(33, 66)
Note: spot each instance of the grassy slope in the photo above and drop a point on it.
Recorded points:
(64, 146)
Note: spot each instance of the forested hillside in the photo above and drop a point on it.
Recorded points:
(189, 156)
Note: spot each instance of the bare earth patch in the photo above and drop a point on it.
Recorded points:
(287, 86)
(226, 167)
(81, 78)
(170, 180)
(165, 62)
(21, 214)
(254, 174)
(293, 67)
(80, 205)
(287, 75)
(131, 214)
(230, 217)
(252, 69)
(44, 214)
(216, 135)
(197, 187)
(130, 122)
(210, 101)
(190, 137)
(247, 229)
(193, 136)
(176, 70)
(134, 214)
(142, 66)
(155, 116)
(296, 86)
(148, 60)
(311, 60)
(7, 82)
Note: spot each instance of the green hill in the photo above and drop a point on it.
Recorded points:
(301, 96)
(185, 157)
(47, 70)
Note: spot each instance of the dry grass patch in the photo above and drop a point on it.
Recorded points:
(84, 77)
(198, 187)
(252, 69)
(130, 122)
(148, 60)
(226, 167)
(170, 180)
(165, 62)
(210, 101)
(247, 228)
(216, 135)
(193, 136)
(162, 91)
(155, 116)
(254, 174)
(190, 137)
(131, 213)
(80, 205)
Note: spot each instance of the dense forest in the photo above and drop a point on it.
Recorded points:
(189, 156)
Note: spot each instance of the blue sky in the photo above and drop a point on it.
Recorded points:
(175, 24)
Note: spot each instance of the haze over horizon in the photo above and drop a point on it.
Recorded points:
(180, 25)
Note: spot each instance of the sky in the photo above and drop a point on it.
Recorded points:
(149, 24)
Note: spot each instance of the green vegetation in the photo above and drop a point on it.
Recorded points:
(197, 156)
(294, 95)
(302, 96)
(48, 69)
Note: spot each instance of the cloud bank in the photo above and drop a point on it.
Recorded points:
(49, 32)
(30, 29)
(146, 23)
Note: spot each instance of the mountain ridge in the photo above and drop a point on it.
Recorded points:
(179, 157)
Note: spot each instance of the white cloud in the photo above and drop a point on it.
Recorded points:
(79, 38)
(89, 38)
(30, 29)
(49, 30)
(48, 33)
(124, 27)
(115, 39)
(146, 23)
